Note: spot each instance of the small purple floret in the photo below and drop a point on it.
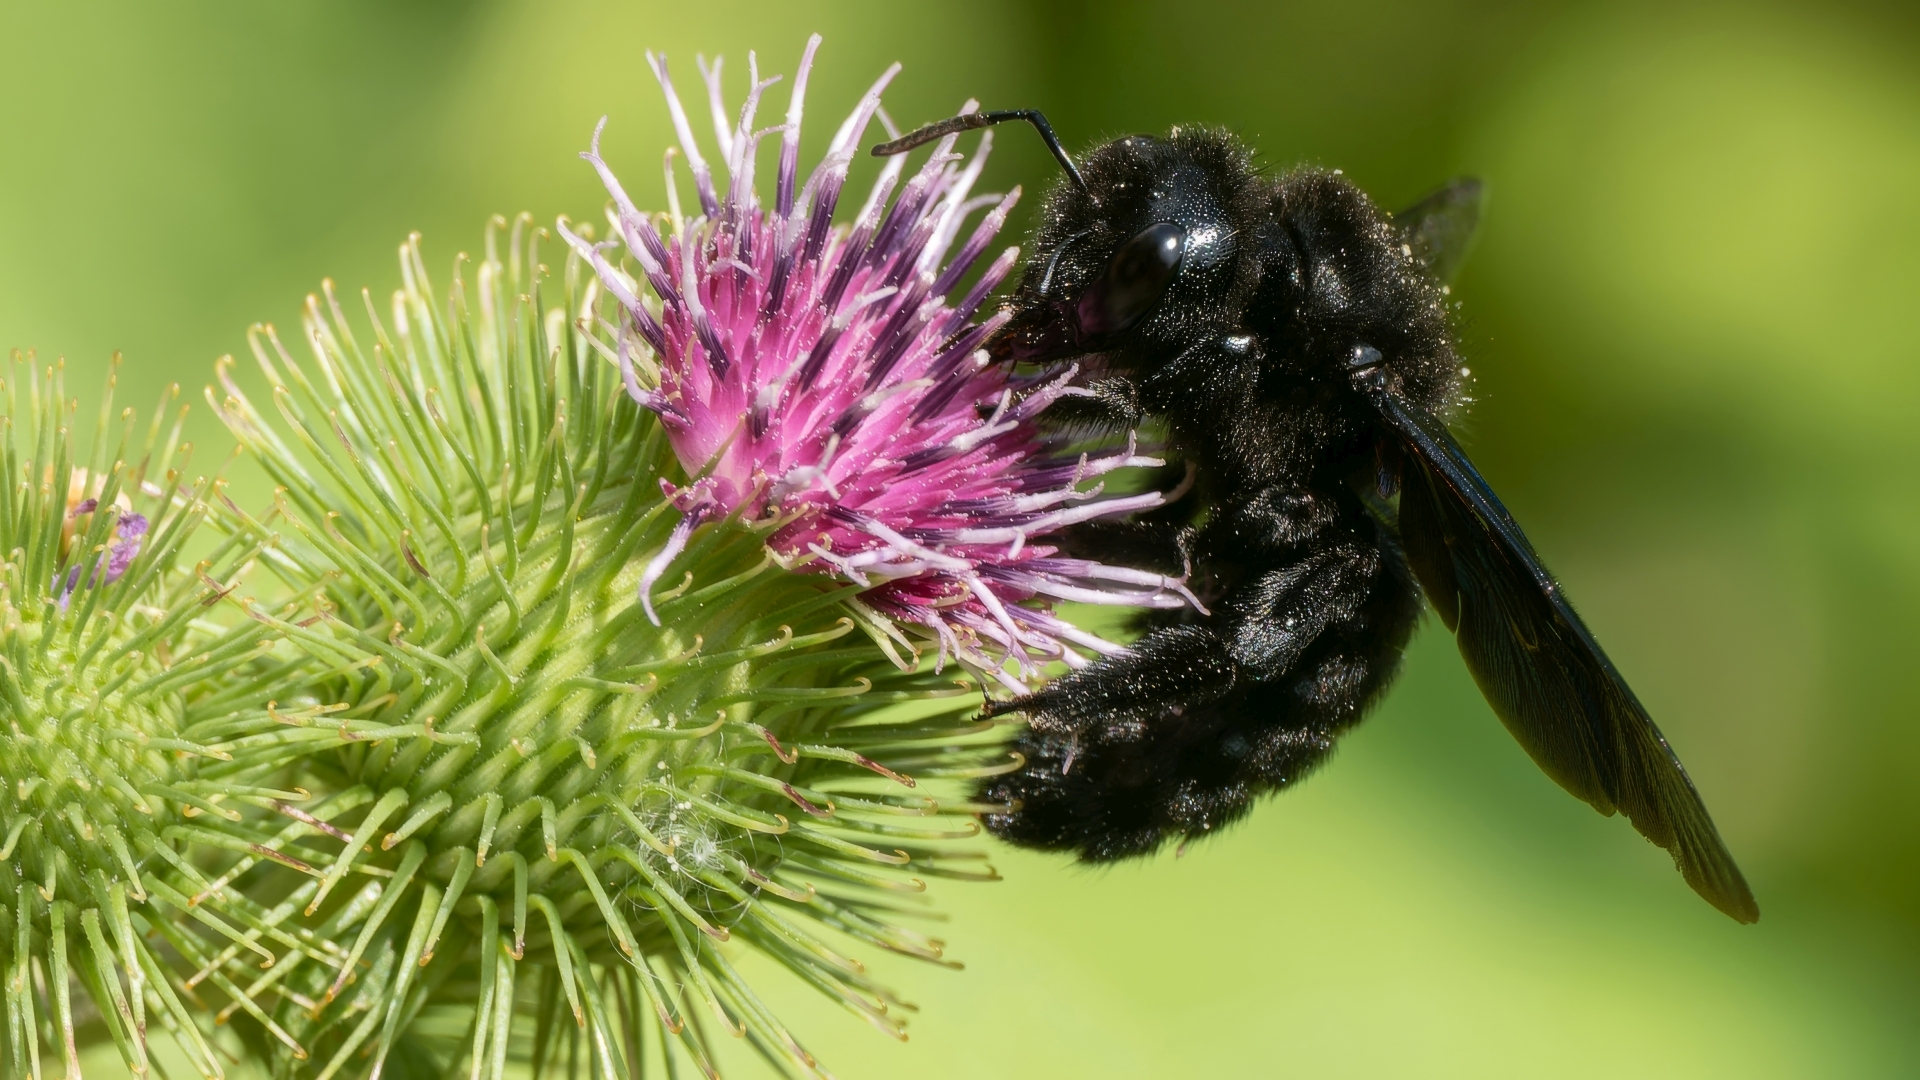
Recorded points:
(824, 374)
(132, 530)
(129, 532)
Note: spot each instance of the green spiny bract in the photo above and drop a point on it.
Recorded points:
(106, 660)
(536, 815)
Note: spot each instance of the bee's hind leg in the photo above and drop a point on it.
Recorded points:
(1180, 734)
(1169, 670)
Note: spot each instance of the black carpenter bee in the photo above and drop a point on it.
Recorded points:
(1294, 342)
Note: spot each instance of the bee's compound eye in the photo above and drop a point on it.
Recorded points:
(1134, 283)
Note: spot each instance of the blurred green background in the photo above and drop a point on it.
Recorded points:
(1694, 318)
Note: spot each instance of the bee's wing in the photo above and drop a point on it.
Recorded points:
(1537, 663)
(1439, 228)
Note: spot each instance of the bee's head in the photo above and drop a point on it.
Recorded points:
(1138, 260)
(1137, 252)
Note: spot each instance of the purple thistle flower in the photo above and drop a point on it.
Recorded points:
(827, 375)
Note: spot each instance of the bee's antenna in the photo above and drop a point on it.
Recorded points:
(970, 121)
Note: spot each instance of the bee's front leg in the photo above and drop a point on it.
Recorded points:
(1110, 404)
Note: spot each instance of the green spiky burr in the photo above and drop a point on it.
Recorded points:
(107, 659)
(540, 822)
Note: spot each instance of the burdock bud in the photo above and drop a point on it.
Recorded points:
(107, 667)
(531, 804)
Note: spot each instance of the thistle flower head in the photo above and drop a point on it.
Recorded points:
(832, 378)
(105, 666)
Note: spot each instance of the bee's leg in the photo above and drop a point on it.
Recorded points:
(1109, 404)
(1164, 546)
(1171, 669)
(1179, 736)
(1277, 615)
(1136, 747)
(1264, 628)
(1160, 539)
(1095, 744)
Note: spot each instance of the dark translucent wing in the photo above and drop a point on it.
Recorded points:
(1538, 665)
(1439, 228)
